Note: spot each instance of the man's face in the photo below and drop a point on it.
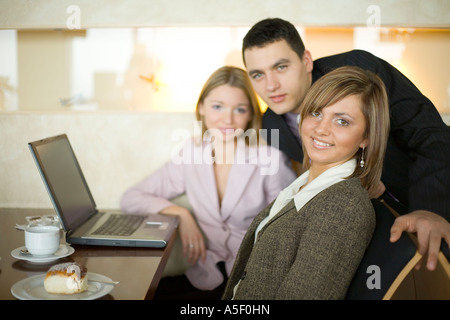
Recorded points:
(279, 76)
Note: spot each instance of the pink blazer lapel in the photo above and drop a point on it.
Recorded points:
(238, 180)
(205, 182)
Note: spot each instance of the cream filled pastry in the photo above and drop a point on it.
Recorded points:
(66, 278)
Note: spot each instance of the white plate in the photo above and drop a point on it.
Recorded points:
(63, 251)
(33, 289)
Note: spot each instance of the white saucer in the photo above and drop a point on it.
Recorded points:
(33, 289)
(63, 251)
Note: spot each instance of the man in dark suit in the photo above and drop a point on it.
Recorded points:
(416, 174)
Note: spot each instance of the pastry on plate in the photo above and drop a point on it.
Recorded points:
(66, 278)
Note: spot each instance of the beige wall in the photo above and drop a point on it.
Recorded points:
(138, 13)
(115, 150)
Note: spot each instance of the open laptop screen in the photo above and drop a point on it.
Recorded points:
(64, 180)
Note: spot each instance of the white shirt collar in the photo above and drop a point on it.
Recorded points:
(323, 181)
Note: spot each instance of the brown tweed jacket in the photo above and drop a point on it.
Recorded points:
(309, 254)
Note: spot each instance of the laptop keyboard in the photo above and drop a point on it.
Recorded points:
(120, 225)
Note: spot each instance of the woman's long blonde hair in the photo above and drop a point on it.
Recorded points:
(347, 81)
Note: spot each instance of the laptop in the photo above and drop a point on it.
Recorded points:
(76, 208)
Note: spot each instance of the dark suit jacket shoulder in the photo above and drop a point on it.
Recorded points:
(309, 254)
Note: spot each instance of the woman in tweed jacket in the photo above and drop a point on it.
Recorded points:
(309, 242)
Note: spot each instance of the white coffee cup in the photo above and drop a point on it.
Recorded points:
(42, 240)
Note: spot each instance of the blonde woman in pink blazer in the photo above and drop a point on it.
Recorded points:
(228, 175)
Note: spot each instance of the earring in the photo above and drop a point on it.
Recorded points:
(361, 163)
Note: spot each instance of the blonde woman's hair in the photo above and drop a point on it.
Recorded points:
(354, 81)
(234, 77)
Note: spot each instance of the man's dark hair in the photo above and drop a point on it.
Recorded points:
(272, 30)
